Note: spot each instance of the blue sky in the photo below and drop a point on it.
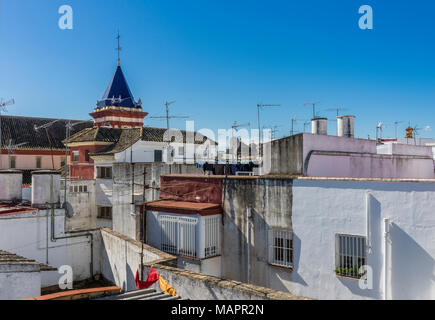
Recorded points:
(218, 59)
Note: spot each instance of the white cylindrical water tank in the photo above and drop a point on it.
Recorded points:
(345, 126)
(45, 189)
(319, 126)
(10, 186)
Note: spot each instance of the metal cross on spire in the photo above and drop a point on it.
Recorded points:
(119, 49)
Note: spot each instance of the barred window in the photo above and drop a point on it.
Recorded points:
(178, 235)
(212, 246)
(350, 255)
(104, 172)
(78, 189)
(281, 247)
(105, 212)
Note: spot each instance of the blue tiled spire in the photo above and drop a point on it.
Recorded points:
(118, 93)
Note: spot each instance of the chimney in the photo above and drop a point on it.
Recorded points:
(319, 126)
(345, 126)
(45, 189)
(11, 183)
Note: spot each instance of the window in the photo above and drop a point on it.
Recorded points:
(212, 246)
(78, 189)
(13, 162)
(104, 172)
(105, 212)
(281, 247)
(38, 162)
(350, 255)
(87, 155)
(158, 155)
(75, 155)
(181, 151)
(178, 235)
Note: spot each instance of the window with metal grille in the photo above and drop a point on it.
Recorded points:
(105, 212)
(78, 189)
(104, 172)
(350, 255)
(281, 247)
(212, 245)
(178, 235)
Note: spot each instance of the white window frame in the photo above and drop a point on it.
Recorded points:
(350, 255)
(181, 151)
(281, 253)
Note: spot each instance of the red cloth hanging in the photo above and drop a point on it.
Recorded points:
(153, 276)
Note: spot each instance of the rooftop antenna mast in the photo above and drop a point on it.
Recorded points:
(259, 106)
(167, 117)
(294, 120)
(3, 106)
(314, 107)
(415, 131)
(396, 123)
(10, 147)
(46, 126)
(68, 128)
(337, 110)
(234, 127)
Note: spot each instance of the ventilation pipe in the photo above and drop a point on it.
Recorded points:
(345, 126)
(10, 186)
(319, 126)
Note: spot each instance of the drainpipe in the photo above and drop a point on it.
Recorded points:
(53, 234)
(248, 243)
(386, 256)
(88, 234)
(368, 214)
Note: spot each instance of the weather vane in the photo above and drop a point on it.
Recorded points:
(119, 49)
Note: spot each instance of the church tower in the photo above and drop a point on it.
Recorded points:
(117, 108)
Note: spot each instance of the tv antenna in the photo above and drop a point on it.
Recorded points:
(294, 120)
(259, 106)
(3, 105)
(314, 107)
(11, 147)
(46, 126)
(337, 110)
(396, 123)
(167, 117)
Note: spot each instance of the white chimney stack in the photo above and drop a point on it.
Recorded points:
(11, 186)
(319, 126)
(45, 189)
(345, 126)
